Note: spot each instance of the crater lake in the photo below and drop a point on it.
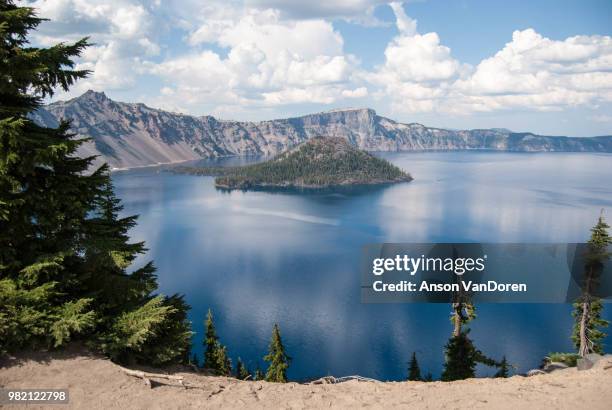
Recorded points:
(293, 257)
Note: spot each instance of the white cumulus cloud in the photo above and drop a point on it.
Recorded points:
(261, 57)
(360, 11)
(531, 72)
(418, 70)
(123, 33)
(270, 61)
(535, 72)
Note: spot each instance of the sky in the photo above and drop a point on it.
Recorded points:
(541, 66)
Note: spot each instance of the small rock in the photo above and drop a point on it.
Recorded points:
(552, 366)
(593, 357)
(584, 364)
(535, 372)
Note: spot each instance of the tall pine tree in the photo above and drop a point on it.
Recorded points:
(242, 372)
(259, 374)
(414, 372)
(211, 342)
(504, 368)
(460, 360)
(588, 334)
(215, 354)
(42, 192)
(462, 357)
(278, 358)
(64, 250)
(223, 363)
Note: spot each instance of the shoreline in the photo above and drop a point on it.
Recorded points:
(415, 151)
(158, 164)
(97, 383)
(306, 187)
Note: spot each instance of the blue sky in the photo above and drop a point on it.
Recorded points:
(543, 66)
(476, 29)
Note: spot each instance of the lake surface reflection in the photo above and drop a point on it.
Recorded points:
(292, 258)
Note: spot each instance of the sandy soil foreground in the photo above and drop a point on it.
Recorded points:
(96, 383)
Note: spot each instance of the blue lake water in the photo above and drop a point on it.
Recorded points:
(293, 258)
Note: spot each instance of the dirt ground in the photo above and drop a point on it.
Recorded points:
(97, 383)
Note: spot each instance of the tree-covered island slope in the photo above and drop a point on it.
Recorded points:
(317, 163)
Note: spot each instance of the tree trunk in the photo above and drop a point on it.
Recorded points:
(584, 340)
(457, 319)
(146, 377)
(584, 319)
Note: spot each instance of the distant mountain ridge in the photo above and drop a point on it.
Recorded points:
(133, 134)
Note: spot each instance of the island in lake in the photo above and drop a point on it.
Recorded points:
(320, 162)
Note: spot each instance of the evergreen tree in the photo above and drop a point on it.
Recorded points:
(242, 372)
(42, 193)
(428, 378)
(64, 251)
(215, 354)
(587, 335)
(414, 373)
(460, 363)
(259, 374)
(460, 353)
(278, 358)
(462, 357)
(223, 363)
(170, 340)
(504, 368)
(211, 343)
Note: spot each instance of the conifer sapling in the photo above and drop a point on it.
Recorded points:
(414, 372)
(278, 358)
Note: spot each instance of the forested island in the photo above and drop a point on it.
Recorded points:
(317, 163)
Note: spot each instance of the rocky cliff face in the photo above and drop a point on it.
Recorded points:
(130, 135)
